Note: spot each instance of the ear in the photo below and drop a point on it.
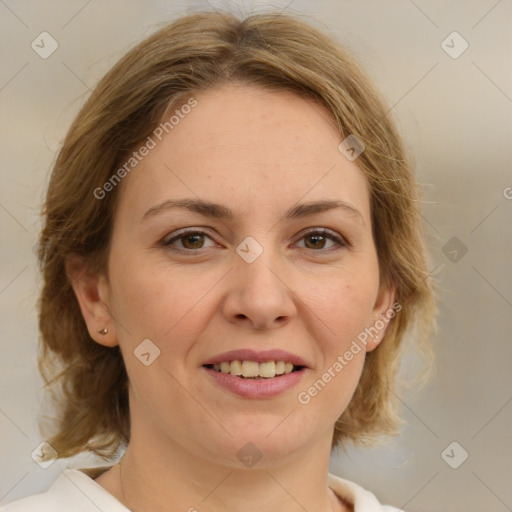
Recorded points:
(92, 293)
(384, 310)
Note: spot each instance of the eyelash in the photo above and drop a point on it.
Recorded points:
(341, 242)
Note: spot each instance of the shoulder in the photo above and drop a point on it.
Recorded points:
(361, 499)
(73, 490)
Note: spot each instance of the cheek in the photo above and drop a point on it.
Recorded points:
(344, 308)
(160, 302)
(341, 312)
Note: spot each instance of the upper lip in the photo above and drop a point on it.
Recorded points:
(260, 356)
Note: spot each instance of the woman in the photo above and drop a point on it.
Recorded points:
(232, 256)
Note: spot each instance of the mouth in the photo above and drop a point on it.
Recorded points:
(256, 374)
(254, 370)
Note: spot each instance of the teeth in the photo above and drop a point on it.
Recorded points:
(236, 368)
(250, 369)
(280, 365)
(268, 369)
(253, 369)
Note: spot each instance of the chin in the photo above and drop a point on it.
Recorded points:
(259, 447)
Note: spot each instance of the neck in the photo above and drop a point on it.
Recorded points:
(157, 480)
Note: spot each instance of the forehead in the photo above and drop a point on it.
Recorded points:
(251, 147)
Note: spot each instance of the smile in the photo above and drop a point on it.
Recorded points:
(253, 369)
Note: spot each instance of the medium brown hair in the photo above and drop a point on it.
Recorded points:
(192, 54)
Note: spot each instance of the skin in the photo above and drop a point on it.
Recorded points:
(259, 153)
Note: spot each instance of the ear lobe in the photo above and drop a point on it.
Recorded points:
(92, 294)
(383, 312)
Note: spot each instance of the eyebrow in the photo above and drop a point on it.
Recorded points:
(218, 211)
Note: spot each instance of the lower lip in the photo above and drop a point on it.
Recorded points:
(261, 388)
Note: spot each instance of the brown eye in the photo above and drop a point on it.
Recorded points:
(194, 241)
(317, 240)
(188, 241)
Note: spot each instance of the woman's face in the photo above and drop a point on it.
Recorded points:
(260, 279)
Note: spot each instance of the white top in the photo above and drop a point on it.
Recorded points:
(75, 490)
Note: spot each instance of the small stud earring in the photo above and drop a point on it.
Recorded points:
(103, 331)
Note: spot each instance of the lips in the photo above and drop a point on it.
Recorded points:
(254, 387)
(256, 374)
(259, 356)
(253, 369)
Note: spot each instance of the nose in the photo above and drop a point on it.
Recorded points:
(259, 297)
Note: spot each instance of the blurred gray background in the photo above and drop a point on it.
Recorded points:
(454, 106)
